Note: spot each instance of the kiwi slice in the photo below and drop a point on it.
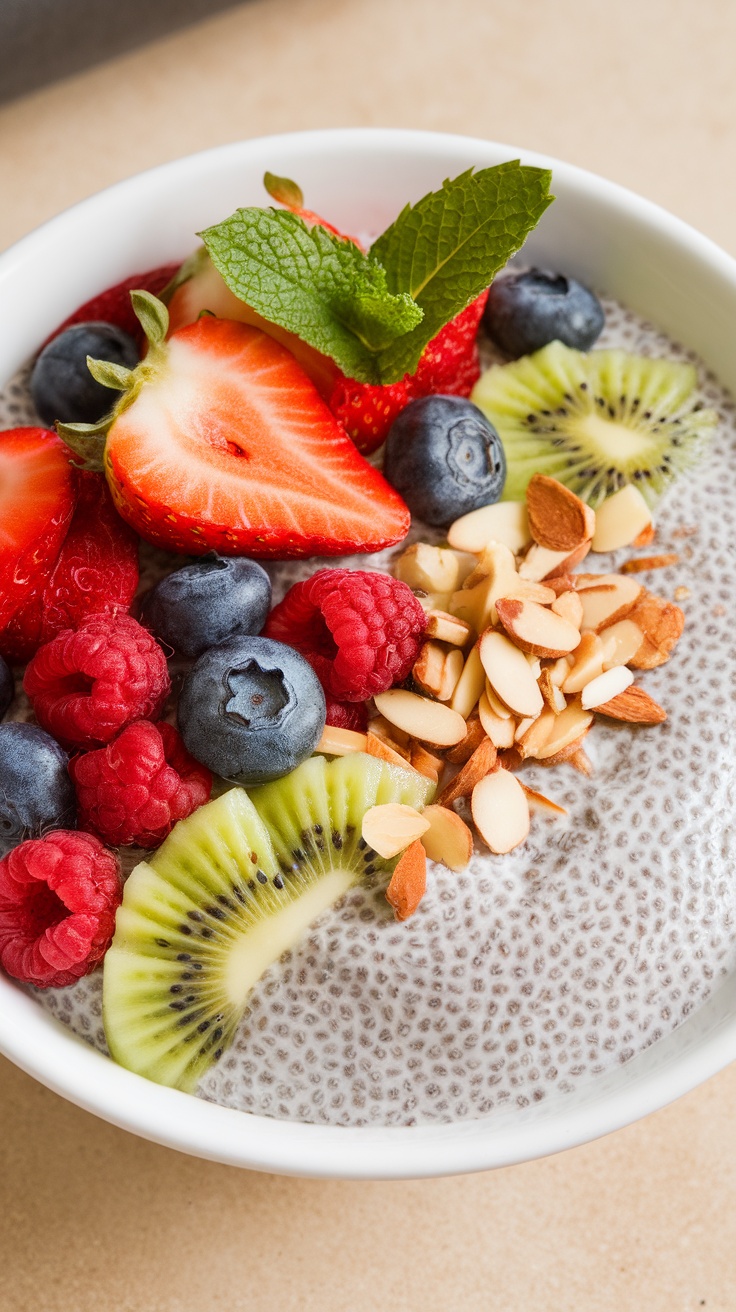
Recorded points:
(595, 421)
(232, 888)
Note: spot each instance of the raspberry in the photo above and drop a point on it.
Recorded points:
(87, 684)
(361, 632)
(135, 789)
(58, 898)
(347, 715)
(96, 570)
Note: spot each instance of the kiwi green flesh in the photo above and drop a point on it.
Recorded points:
(233, 887)
(595, 421)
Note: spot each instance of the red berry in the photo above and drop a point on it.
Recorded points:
(87, 684)
(361, 632)
(347, 715)
(135, 789)
(58, 898)
(36, 505)
(114, 304)
(97, 570)
(367, 412)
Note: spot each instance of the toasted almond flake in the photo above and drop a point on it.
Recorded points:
(430, 601)
(448, 838)
(642, 564)
(534, 663)
(429, 721)
(495, 561)
(447, 628)
(561, 668)
(500, 811)
(609, 600)
(682, 593)
(497, 706)
(569, 753)
(473, 738)
(437, 669)
(505, 522)
(425, 762)
(554, 698)
(536, 629)
(476, 767)
(569, 727)
(389, 733)
(391, 827)
(510, 759)
(509, 674)
(383, 750)
(605, 686)
(620, 642)
(536, 735)
(620, 519)
(538, 802)
(634, 705)
(580, 761)
(541, 564)
(587, 665)
(558, 519)
(408, 882)
(339, 742)
(645, 538)
(501, 730)
(569, 606)
(523, 726)
(470, 684)
(433, 569)
(662, 623)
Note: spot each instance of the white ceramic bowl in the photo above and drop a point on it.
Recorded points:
(360, 178)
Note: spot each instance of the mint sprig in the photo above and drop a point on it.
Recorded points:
(321, 287)
(445, 250)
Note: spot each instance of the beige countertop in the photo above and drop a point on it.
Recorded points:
(644, 92)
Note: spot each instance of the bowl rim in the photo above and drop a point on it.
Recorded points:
(34, 1041)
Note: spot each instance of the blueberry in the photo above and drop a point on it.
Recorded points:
(251, 709)
(62, 386)
(7, 687)
(445, 458)
(36, 793)
(207, 602)
(525, 311)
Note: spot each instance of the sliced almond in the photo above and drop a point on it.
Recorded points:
(646, 537)
(408, 882)
(569, 606)
(569, 727)
(495, 561)
(476, 767)
(433, 569)
(569, 753)
(536, 629)
(540, 563)
(501, 730)
(497, 706)
(430, 601)
(391, 827)
(580, 761)
(538, 802)
(662, 623)
(523, 726)
(643, 564)
(500, 811)
(509, 674)
(558, 519)
(425, 762)
(620, 519)
(511, 759)
(429, 721)
(473, 738)
(383, 750)
(536, 735)
(633, 705)
(470, 684)
(437, 669)
(447, 628)
(534, 663)
(448, 838)
(621, 642)
(339, 742)
(505, 522)
(389, 734)
(559, 671)
(608, 600)
(605, 686)
(587, 664)
(554, 698)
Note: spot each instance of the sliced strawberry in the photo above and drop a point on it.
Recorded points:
(228, 446)
(113, 305)
(96, 571)
(36, 504)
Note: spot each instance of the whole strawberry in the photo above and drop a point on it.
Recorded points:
(114, 304)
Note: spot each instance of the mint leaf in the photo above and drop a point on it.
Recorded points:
(445, 250)
(321, 287)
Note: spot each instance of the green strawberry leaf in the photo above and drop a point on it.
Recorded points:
(321, 287)
(445, 250)
(284, 191)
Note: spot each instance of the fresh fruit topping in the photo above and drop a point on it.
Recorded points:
(96, 571)
(135, 789)
(500, 811)
(448, 839)
(36, 505)
(527, 310)
(204, 604)
(7, 687)
(87, 684)
(445, 458)
(621, 519)
(374, 313)
(595, 422)
(346, 715)
(408, 882)
(114, 305)
(391, 827)
(233, 887)
(222, 443)
(36, 793)
(366, 411)
(58, 898)
(251, 709)
(289, 193)
(62, 386)
(361, 631)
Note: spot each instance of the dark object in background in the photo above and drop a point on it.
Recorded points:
(44, 40)
(62, 386)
